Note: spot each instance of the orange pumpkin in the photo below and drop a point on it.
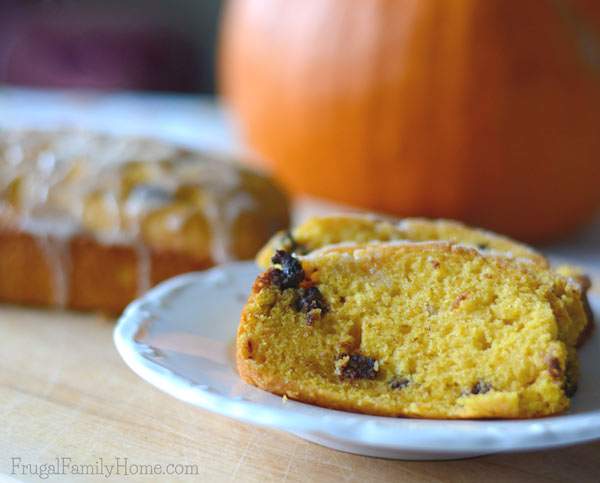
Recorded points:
(482, 110)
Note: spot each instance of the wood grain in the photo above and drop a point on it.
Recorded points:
(64, 392)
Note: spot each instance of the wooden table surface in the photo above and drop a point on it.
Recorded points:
(64, 392)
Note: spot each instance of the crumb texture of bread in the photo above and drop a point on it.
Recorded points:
(415, 329)
(324, 231)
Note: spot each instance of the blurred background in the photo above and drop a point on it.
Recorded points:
(465, 111)
(110, 44)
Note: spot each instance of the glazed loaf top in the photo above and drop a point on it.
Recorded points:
(123, 190)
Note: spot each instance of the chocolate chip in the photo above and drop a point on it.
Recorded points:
(481, 388)
(290, 274)
(399, 383)
(554, 368)
(482, 246)
(310, 299)
(357, 366)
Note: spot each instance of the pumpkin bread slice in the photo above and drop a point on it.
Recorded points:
(322, 231)
(411, 329)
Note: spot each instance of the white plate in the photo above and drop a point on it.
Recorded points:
(180, 338)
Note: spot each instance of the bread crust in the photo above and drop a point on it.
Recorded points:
(93, 275)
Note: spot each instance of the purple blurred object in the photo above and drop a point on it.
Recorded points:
(121, 50)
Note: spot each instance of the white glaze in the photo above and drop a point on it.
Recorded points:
(56, 252)
(60, 170)
(144, 268)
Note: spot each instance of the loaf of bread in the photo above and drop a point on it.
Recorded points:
(422, 329)
(90, 221)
